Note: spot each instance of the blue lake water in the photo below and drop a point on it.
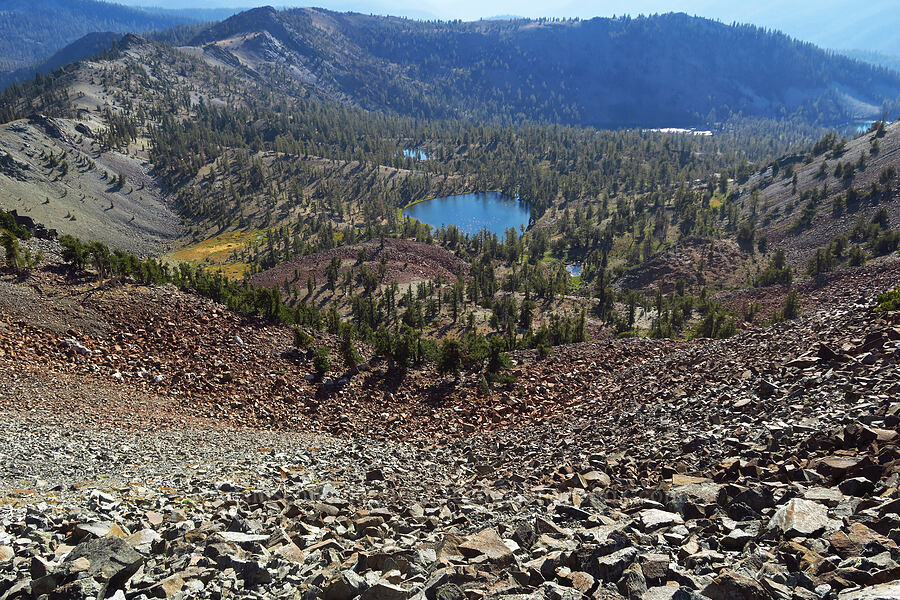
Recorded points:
(415, 153)
(473, 212)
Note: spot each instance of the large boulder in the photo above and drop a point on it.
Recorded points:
(610, 568)
(694, 500)
(487, 543)
(802, 518)
(652, 519)
(346, 586)
(729, 585)
(383, 590)
(884, 591)
(758, 498)
(859, 540)
(111, 560)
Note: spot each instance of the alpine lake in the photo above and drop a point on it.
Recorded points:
(471, 213)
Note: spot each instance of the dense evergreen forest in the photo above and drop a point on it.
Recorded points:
(658, 71)
(33, 30)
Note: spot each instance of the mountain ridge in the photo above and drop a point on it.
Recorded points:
(690, 72)
(84, 47)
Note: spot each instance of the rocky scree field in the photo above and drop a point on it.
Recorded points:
(156, 445)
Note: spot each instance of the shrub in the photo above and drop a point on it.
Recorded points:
(322, 361)
(752, 311)
(805, 220)
(791, 308)
(885, 243)
(823, 262)
(73, 252)
(856, 256)
(717, 324)
(301, 338)
(745, 237)
(497, 358)
(544, 351)
(889, 301)
(484, 389)
(11, 246)
(348, 351)
(776, 272)
(8, 223)
(450, 357)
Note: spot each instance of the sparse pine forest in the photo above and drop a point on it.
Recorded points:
(314, 190)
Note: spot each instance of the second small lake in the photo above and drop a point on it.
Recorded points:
(471, 213)
(574, 269)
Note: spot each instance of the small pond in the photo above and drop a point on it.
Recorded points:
(415, 153)
(471, 213)
(574, 269)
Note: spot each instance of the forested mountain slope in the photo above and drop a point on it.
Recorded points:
(33, 30)
(657, 71)
(84, 47)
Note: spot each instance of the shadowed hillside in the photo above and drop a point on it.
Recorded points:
(32, 31)
(663, 70)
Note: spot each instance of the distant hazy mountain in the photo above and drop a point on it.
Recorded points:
(667, 70)
(33, 30)
(397, 8)
(202, 15)
(888, 61)
(89, 45)
(839, 24)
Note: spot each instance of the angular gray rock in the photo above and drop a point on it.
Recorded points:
(487, 543)
(110, 560)
(802, 518)
(652, 519)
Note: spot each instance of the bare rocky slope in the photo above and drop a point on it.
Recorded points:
(156, 445)
(869, 158)
(405, 261)
(56, 172)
